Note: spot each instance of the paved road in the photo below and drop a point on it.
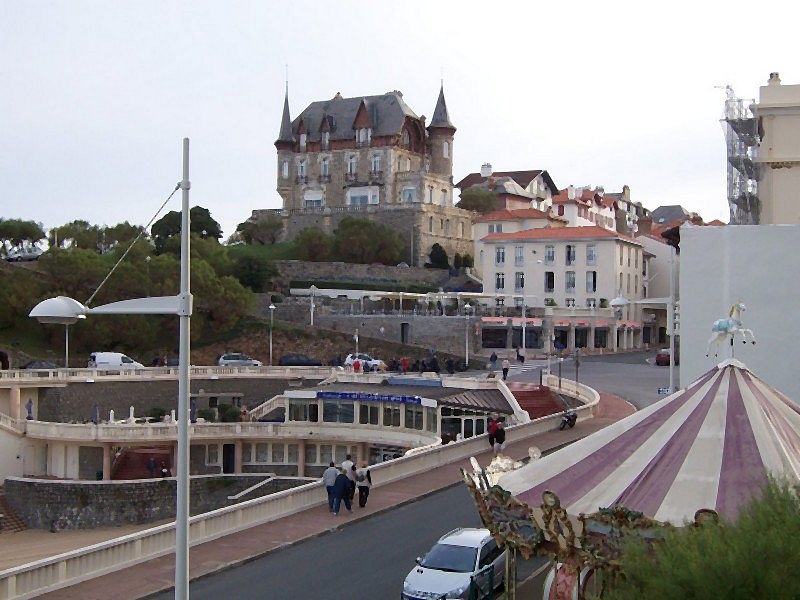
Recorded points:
(368, 559)
(627, 375)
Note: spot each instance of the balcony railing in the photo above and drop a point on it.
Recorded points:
(301, 179)
(376, 174)
(351, 176)
(324, 178)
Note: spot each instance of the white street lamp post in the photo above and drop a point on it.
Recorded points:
(671, 319)
(271, 315)
(66, 310)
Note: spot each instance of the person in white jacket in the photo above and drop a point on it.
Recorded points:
(329, 478)
(364, 483)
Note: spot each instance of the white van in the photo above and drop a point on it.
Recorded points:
(112, 360)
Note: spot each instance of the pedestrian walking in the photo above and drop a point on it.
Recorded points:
(521, 355)
(491, 428)
(329, 479)
(450, 366)
(493, 362)
(364, 483)
(499, 438)
(506, 367)
(151, 467)
(349, 469)
(341, 493)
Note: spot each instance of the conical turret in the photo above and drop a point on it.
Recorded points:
(441, 118)
(285, 137)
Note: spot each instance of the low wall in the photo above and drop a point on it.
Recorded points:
(33, 579)
(47, 504)
(296, 270)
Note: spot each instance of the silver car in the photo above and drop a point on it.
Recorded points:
(235, 359)
(462, 558)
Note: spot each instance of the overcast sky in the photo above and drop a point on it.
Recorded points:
(97, 96)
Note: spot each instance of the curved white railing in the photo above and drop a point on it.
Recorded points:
(33, 579)
(23, 376)
(16, 425)
(267, 407)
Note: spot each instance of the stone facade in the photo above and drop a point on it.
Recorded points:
(75, 402)
(297, 270)
(85, 505)
(425, 224)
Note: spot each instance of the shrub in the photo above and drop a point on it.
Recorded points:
(228, 413)
(753, 557)
(157, 413)
(207, 413)
(439, 258)
(467, 261)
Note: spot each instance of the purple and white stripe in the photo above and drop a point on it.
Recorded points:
(708, 446)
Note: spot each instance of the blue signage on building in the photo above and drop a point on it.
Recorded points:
(369, 397)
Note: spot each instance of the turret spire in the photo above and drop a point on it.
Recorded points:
(440, 117)
(286, 135)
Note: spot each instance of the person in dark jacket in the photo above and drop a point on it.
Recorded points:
(341, 491)
(364, 483)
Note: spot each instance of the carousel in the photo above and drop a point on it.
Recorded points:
(701, 453)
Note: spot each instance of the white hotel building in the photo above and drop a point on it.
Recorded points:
(565, 277)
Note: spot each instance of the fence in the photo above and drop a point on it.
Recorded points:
(33, 579)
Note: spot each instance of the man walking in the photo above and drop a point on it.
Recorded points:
(506, 367)
(341, 491)
(493, 362)
(364, 483)
(329, 479)
(499, 438)
(350, 470)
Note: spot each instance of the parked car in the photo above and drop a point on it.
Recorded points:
(374, 364)
(40, 364)
(236, 359)
(23, 254)
(112, 361)
(298, 360)
(662, 357)
(447, 570)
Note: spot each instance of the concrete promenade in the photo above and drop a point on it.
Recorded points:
(157, 575)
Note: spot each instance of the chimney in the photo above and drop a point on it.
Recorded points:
(571, 192)
(626, 193)
(774, 78)
(644, 224)
(486, 170)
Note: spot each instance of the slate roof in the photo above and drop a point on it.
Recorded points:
(387, 112)
(669, 213)
(523, 178)
(440, 117)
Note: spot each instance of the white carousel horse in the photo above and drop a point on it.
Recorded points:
(723, 328)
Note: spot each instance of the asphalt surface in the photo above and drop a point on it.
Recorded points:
(628, 375)
(367, 559)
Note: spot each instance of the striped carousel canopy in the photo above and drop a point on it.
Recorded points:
(708, 446)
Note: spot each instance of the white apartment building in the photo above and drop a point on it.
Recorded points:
(585, 207)
(573, 273)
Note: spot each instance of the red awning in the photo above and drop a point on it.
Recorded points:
(517, 322)
(561, 323)
(601, 323)
(494, 320)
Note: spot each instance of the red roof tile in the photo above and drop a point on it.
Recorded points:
(559, 233)
(523, 178)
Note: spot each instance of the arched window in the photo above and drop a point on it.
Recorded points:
(405, 139)
(285, 169)
(352, 164)
(446, 149)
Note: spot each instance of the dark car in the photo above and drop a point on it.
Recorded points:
(40, 364)
(298, 360)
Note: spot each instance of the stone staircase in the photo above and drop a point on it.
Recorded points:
(537, 401)
(132, 463)
(10, 522)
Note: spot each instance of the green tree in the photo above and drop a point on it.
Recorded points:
(467, 261)
(748, 558)
(21, 290)
(261, 231)
(478, 199)
(200, 222)
(15, 232)
(75, 234)
(364, 241)
(252, 271)
(439, 258)
(313, 244)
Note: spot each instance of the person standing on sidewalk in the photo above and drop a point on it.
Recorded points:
(341, 491)
(493, 362)
(499, 438)
(364, 483)
(491, 429)
(329, 479)
(350, 470)
(506, 367)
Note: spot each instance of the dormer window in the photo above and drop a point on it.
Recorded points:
(363, 135)
(326, 139)
(303, 138)
(405, 139)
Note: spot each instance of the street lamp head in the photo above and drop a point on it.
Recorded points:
(619, 301)
(60, 310)
(272, 307)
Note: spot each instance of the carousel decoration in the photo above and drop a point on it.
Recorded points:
(694, 457)
(727, 329)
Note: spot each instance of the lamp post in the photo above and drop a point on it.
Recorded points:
(271, 315)
(467, 311)
(313, 289)
(66, 310)
(147, 260)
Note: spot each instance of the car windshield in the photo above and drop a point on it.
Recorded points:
(445, 557)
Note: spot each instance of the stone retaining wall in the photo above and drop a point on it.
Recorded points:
(75, 401)
(85, 505)
(298, 270)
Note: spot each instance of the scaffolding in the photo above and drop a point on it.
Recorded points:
(741, 139)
